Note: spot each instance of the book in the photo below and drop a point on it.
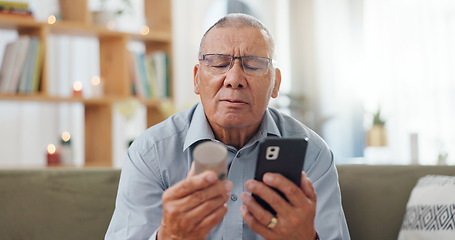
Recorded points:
(36, 76)
(21, 65)
(27, 67)
(143, 74)
(151, 75)
(31, 65)
(8, 65)
(23, 43)
(22, 83)
(5, 67)
(162, 79)
(13, 6)
(135, 76)
(20, 9)
(168, 76)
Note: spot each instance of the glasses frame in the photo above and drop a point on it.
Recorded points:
(270, 61)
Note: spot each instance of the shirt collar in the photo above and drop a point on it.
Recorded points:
(200, 129)
(269, 126)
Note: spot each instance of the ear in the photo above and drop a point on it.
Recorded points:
(196, 79)
(276, 88)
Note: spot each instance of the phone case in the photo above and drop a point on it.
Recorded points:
(280, 155)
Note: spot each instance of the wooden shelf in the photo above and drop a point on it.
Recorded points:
(80, 29)
(44, 98)
(87, 101)
(16, 22)
(114, 65)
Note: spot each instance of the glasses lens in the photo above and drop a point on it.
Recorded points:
(255, 66)
(218, 63)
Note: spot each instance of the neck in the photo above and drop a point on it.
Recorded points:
(236, 137)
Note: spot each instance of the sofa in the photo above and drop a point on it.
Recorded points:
(63, 203)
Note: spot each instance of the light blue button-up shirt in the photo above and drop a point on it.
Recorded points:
(161, 157)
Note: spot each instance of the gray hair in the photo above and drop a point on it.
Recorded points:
(237, 20)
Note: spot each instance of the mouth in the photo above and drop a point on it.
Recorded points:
(235, 101)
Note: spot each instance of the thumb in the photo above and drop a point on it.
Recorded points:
(192, 171)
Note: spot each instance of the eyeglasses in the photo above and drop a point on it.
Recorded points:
(251, 65)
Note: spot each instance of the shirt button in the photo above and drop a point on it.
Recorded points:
(239, 155)
(234, 197)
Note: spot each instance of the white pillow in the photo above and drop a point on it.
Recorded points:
(430, 212)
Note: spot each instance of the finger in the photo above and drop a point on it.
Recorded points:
(184, 213)
(219, 189)
(211, 220)
(260, 214)
(278, 203)
(307, 186)
(292, 192)
(198, 222)
(254, 224)
(196, 215)
(190, 185)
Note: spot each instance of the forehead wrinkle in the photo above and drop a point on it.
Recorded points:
(238, 43)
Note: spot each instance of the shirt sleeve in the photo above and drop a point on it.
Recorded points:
(138, 208)
(330, 221)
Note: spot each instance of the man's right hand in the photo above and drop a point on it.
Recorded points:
(193, 206)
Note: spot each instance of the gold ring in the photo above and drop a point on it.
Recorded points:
(272, 223)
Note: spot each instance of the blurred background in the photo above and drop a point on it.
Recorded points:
(374, 78)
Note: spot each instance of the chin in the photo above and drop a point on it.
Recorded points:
(236, 121)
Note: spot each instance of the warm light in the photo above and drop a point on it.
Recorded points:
(110, 25)
(96, 80)
(77, 86)
(51, 19)
(66, 136)
(51, 148)
(145, 30)
(97, 87)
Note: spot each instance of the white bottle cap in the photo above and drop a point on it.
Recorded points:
(211, 156)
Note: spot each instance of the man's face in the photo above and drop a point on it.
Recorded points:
(235, 99)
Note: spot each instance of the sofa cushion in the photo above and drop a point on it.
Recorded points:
(56, 203)
(375, 196)
(430, 211)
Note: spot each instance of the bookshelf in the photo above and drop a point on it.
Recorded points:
(114, 70)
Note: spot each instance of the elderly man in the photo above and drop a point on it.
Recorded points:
(160, 196)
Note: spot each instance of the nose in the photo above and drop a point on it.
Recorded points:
(235, 76)
(233, 62)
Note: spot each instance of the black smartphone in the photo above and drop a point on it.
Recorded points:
(280, 155)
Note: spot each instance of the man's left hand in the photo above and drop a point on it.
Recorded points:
(294, 219)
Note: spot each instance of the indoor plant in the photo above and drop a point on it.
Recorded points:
(377, 134)
(107, 14)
